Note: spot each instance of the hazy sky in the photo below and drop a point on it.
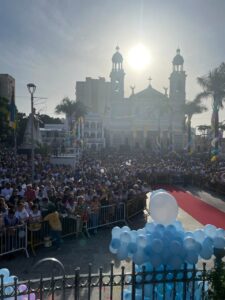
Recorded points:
(54, 43)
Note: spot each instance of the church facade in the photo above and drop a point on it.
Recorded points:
(147, 119)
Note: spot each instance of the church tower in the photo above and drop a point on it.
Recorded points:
(117, 76)
(178, 81)
(177, 98)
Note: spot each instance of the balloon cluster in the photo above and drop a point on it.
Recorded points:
(164, 242)
(166, 245)
(9, 288)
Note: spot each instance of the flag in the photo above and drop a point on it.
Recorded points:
(12, 111)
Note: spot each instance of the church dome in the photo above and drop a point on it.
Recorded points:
(117, 57)
(178, 59)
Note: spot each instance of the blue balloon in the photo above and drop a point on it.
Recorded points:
(122, 253)
(192, 257)
(189, 243)
(189, 234)
(116, 231)
(141, 240)
(148, 250)
(199, 235)
(127, 295)
(150, 227)
(220, 232)
(139, 257)
(115, 243)
(207, 242)
(219, 242)
(206, 252)
(112, 250)
(178, 225)
(171, 228)
(157, 245)
(9, 280)
(132, 247)
(175, 247)
(125, 237)
(5, 272)
(160, 228)
(148, 288)
(210, 230)
(176, 262)
(156, 260)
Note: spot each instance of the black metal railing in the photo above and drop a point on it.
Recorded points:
(189, 283)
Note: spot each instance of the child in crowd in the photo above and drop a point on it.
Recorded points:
(35, 214)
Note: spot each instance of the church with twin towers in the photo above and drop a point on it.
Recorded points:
(148, 119)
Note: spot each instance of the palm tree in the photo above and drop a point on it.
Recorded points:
(204, 128)
(205, 131)
(213, 85)
(191, 108)
(72, 109)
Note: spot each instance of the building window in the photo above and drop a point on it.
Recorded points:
(93, 125)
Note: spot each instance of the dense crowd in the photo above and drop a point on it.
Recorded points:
(96, 181)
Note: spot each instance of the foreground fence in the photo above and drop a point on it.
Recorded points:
(188, 283)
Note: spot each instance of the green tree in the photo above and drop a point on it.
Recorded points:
(45, 119)
(191, 108)
(73, 110)
(204, 129)
(21, 123)
(6, 133)
(213, 85)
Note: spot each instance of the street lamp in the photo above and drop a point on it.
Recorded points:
(31, 88)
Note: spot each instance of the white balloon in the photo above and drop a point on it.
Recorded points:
(163, 208)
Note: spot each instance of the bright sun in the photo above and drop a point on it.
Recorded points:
(139, 57)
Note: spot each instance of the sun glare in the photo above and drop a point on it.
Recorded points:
(139, 57)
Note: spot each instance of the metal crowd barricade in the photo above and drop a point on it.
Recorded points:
(13, 239)
(135, 206)
(107, 215)
(38, 233)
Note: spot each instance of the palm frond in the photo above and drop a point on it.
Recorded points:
(203, 95)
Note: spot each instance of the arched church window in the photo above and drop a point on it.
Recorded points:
(117, 86)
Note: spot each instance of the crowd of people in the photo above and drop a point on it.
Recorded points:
(97, 180)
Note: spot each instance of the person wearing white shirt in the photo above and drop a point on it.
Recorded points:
(6, 192)
(21, 213)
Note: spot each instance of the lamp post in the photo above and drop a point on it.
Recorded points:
(31, 88)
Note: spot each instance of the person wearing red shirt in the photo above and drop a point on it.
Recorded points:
(30, 194)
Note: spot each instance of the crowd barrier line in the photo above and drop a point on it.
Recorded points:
(13, 239)
(36, 234)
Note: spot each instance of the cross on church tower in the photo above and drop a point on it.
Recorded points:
(150, 81)
(132, 87)
(166, 89)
